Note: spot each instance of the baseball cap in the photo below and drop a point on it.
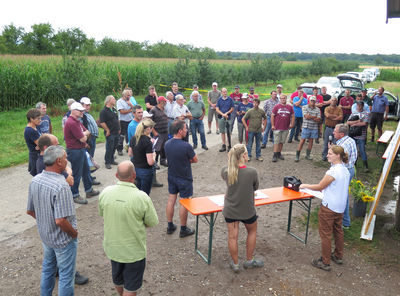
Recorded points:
(194, 86)
(364, 89)
(237, 86)
(245, 96)
(214, 83)
(147, 114)
(161, 99)
(251, 88)
(312, 98)
(85, 100)
(77, 106)
(279, 85)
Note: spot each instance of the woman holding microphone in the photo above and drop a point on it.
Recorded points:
(335, 187)
(242, 181)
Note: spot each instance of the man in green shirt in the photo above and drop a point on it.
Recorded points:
(127, 212)
(197, 108)
(257, 123)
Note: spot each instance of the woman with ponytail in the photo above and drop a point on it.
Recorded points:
(335, 187)
(143, 154)
(242, 181)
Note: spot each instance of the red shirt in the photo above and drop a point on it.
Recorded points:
(282, 116)
(237, 98)
(252, 97)
(73, 131)
(296, 94)
(346, 102)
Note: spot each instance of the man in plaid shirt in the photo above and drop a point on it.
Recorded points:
(268, 106)
(311, 118)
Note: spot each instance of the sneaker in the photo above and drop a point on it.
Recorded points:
(209, 132)
(345, 227)
(195, 146)
(223, 148)
(217, 132)
(171, 230)
(94, 182)
(280, 156)
(114, 163)
(249, 159)
(229, 148)
(263, 146)
(120, 153)
(289, 141)
(317, 141)
(108, 166)
(164, 163)
(336, 259)
(297, 139)
(260, 158)
(80, 279)
(204, 147)
(234, 267)
(319, 264)
(186, 232)
(253, 263)
(92, 193)
(80, 200)
(274, 158)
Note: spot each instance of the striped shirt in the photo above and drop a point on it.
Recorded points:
(310, 123)
(50, 197)
(92, 125)
(350, 147)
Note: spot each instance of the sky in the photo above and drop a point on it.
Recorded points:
(330, 26)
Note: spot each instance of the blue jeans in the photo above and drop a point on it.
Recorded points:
(257, 136)
(80, 170)
(295, 131)
(268, 132)
(144, 178)
(198, 125)
(111, 145)
(64, 259)
(346, 214)
(361, 147)
(92, 144)
(328, 132)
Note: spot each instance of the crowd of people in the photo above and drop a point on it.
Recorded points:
(160, 134)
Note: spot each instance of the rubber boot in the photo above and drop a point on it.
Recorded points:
(280, 156)
(275, 157)
(308, 154)
(297, 156)
(365, 165)
(155, 182)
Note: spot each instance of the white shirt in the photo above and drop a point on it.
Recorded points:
(123, 105)
(336, 194)
(179, 111)
(169, 107)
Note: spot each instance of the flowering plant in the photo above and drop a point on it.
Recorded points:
(362, 191)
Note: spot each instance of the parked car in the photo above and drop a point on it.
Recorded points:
(332, 85)
(308, 88)
(394, 108)
(370, 75)
(348, 81)
(359, 75)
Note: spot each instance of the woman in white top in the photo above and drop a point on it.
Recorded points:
(335, 187)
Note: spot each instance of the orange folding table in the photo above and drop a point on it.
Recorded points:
(204, 206)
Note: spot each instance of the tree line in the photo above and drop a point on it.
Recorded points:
(42, 39)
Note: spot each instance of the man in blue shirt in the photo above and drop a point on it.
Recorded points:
(224, 108)
(137, 118)
(180, 156)
(380, 106)
(298, 103)
(45, 126)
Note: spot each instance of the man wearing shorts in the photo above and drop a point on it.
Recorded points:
(180, 156)
(212, 98)
(282, 119)
(126, 211)
(380, 106)
(310, 129)
(224, 108)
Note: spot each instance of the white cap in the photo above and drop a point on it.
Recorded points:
(279, 85)
(85, 100)
(147, 114)
(214, 83)
(77, 106)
